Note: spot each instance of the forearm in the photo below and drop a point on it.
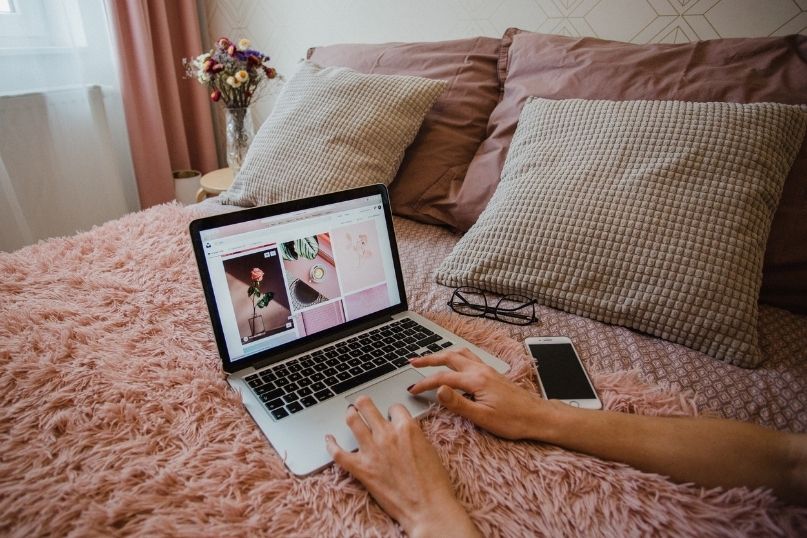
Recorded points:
(708, 452)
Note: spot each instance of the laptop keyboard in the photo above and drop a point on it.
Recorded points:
(290, 387)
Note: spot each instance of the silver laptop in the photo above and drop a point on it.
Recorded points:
(309, 311)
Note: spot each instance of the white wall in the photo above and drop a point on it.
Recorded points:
(285, 29)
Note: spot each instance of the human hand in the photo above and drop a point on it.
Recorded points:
(498, 405)
(401, 470)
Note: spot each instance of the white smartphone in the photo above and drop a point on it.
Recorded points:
(561, 374)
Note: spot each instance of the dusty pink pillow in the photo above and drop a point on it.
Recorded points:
(746, 70)
(434, 165)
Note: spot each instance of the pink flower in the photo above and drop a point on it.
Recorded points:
(231, 50)
(223, 42)
(256, 275)
(217, 68)
(215, 96)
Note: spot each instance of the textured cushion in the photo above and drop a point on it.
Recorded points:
(332, 129)
(736, 70)
(647, 214)
(434, 165)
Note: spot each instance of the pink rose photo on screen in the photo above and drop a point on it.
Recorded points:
(258, 294)
(356, 248)
(367, 301)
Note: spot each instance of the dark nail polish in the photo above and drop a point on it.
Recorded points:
(409, 388)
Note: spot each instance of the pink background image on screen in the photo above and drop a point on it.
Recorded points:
(367, 301)
(356, 250)
(320, 318)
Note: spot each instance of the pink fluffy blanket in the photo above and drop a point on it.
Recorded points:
(116, 419)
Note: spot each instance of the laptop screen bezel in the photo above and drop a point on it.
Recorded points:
(283, 351)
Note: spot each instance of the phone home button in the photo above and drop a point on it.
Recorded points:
(574, 403)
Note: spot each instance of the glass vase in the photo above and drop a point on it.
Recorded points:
(256, 325)
(239, 136)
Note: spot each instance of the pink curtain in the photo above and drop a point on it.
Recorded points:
(168, 117)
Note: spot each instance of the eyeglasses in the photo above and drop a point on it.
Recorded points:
(512, 309)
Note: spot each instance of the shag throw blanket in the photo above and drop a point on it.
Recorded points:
(116, 420)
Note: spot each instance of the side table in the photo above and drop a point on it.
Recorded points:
(214, 183)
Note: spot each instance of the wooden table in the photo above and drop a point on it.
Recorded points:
(214, 183)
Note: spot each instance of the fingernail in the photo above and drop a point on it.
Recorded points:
(329, 438)
(412, 359)
(409, 388)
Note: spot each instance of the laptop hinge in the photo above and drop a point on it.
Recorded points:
(299, 350)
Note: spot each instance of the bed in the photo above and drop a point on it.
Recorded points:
(117, 420)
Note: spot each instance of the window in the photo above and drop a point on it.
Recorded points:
(53, 44)
(41, 24)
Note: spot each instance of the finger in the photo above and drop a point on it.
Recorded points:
(398, 414)
(370, 413)
(459, 405)
(468, 354)
(449, 358)
(359, 428)
(339, 455)
(455, 380)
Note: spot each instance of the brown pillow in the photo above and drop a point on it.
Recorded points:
(435, 164)
(744, 70)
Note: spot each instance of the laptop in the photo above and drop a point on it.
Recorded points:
(309, 312)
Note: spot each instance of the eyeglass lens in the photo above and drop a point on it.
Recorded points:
(516, 309)
(469, 302)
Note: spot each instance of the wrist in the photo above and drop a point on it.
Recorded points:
(444, 519)
(549, 420)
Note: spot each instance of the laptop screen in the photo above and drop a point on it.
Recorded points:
(278, 279)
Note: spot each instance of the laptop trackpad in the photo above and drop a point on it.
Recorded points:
(393, 390)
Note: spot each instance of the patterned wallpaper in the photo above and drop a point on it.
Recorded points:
(285, 29)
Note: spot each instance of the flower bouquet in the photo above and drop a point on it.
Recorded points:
(233, 72)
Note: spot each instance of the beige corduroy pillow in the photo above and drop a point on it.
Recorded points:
(648, 214)
(332, 129)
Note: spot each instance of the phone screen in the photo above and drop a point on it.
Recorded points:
(561, 373)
